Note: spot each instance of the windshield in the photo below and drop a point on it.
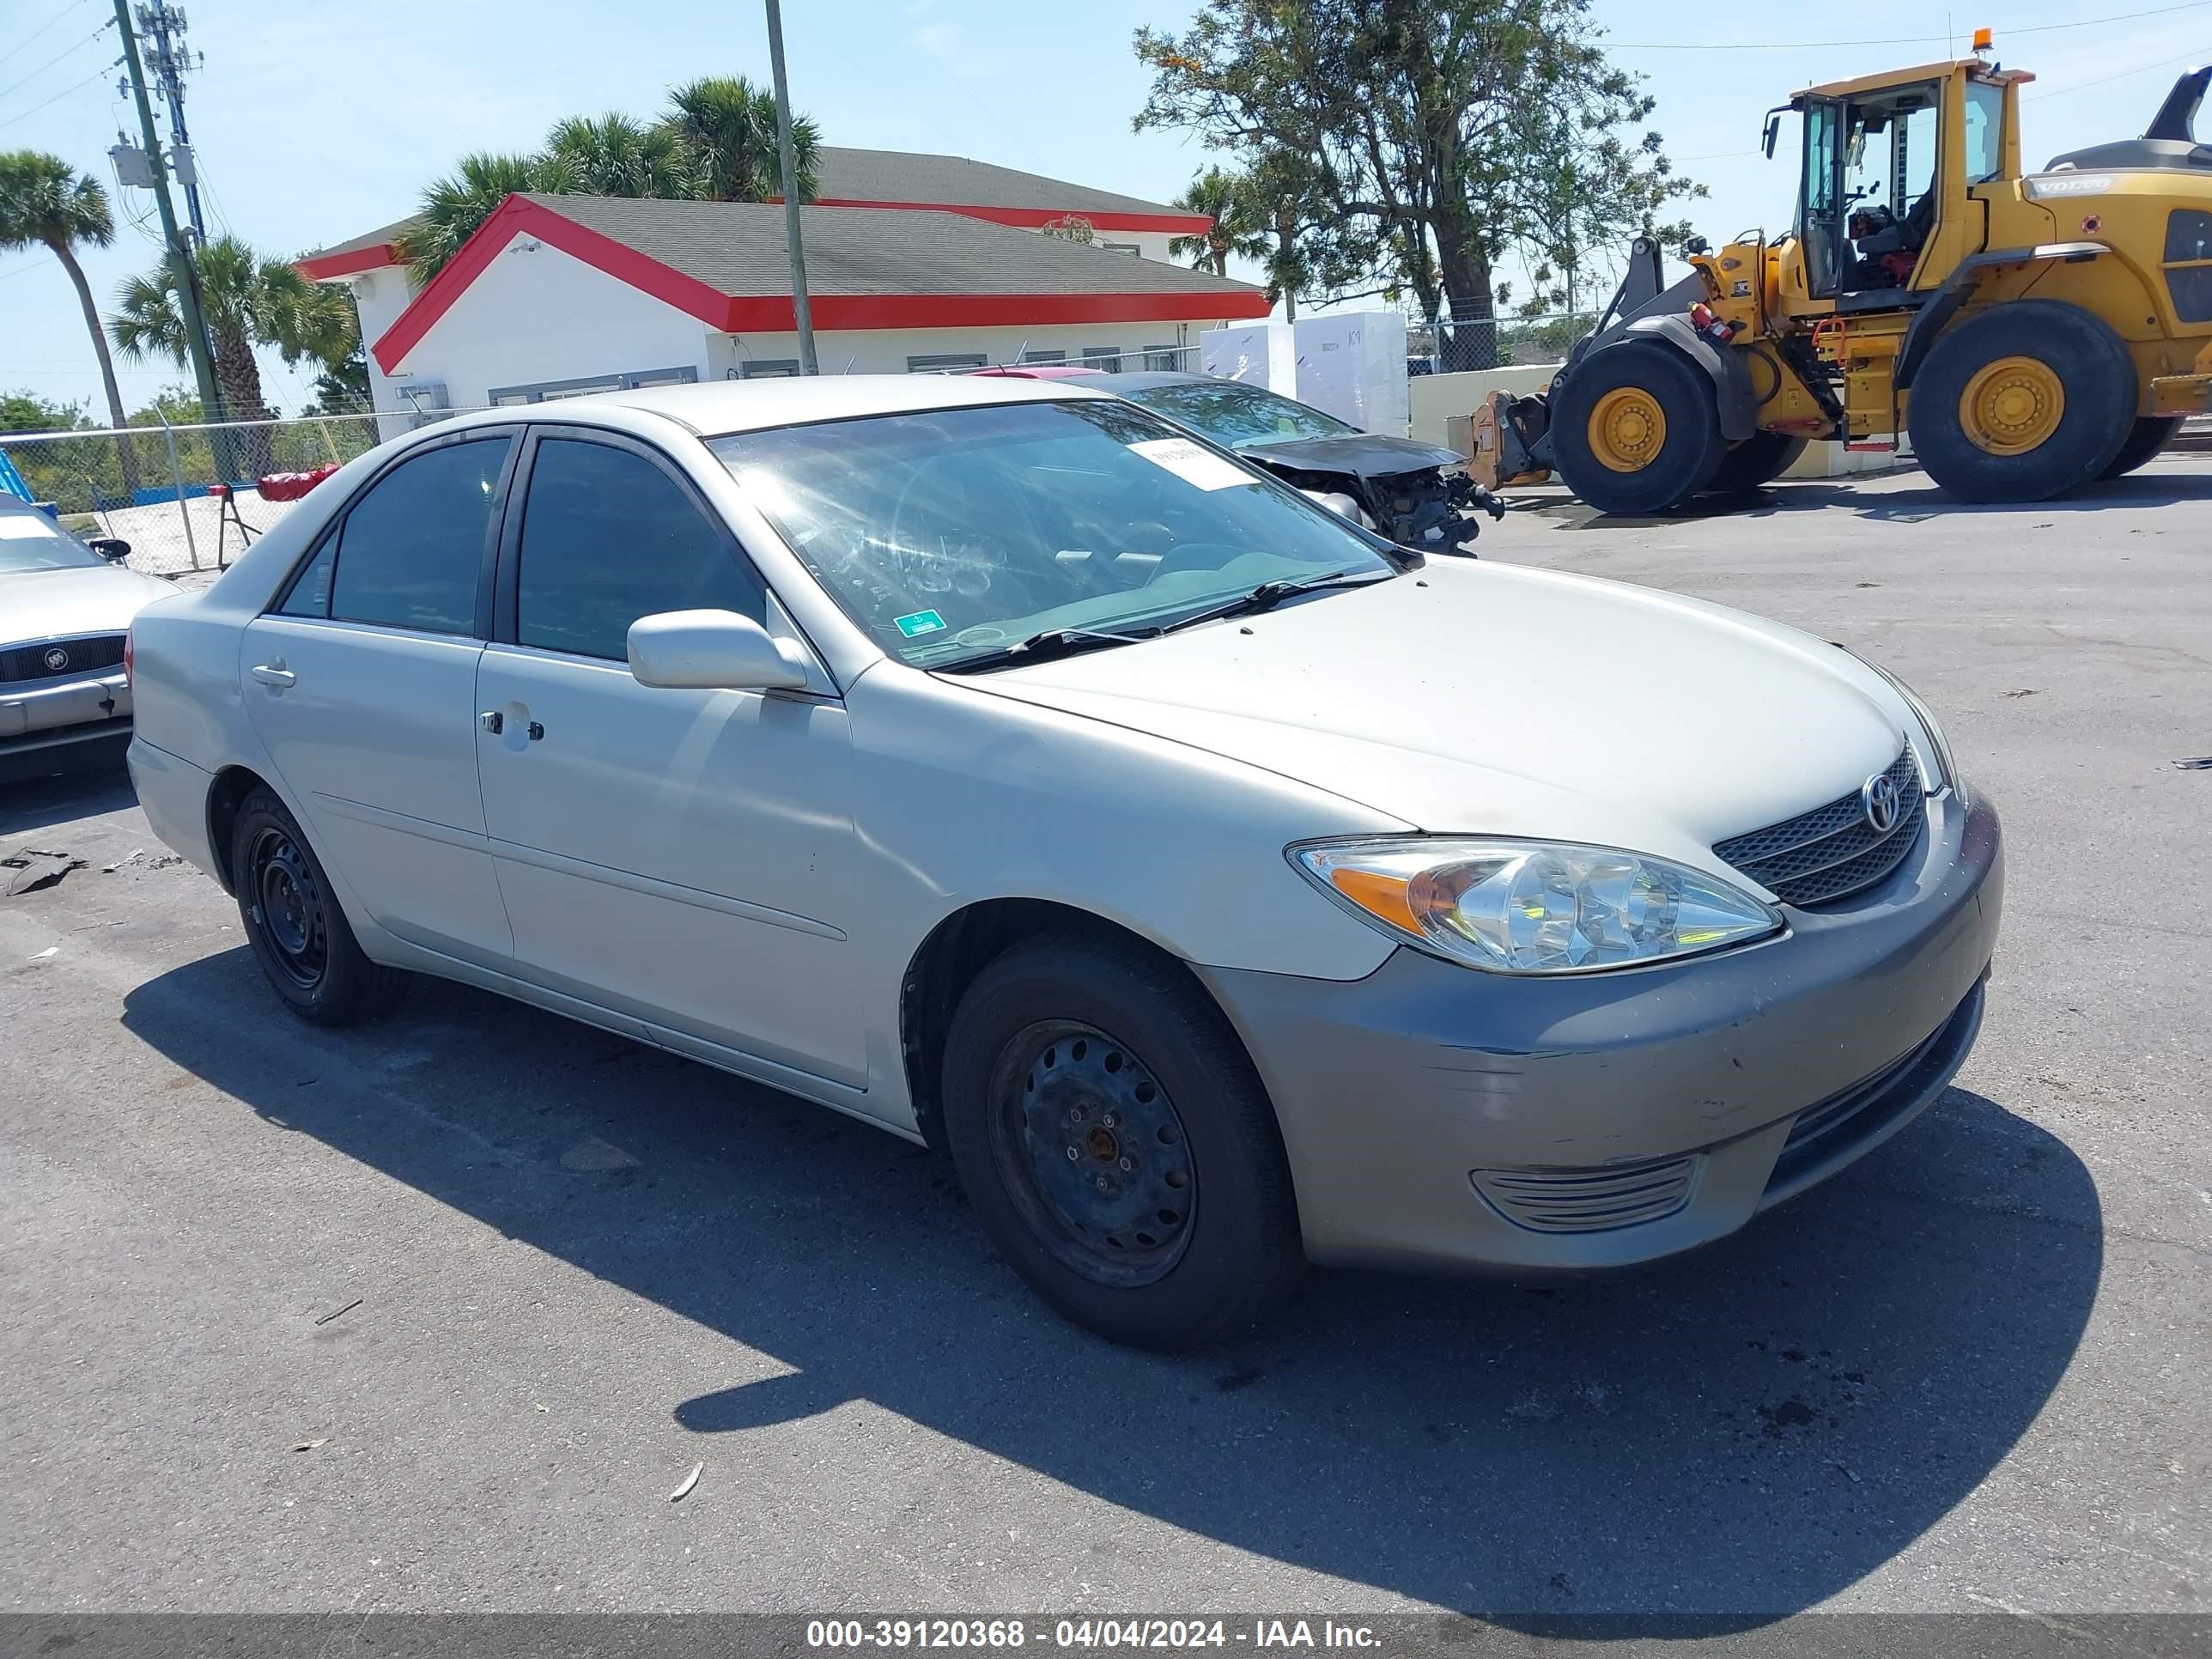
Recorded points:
(29, 541)
(950, 533)
(1234, 414)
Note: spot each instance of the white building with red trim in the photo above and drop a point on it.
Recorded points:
(914, 263)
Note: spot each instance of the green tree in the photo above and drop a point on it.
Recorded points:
(615, 155)
(1225, 197)
(45, 203)
(454, 207)
(1071, 227)
(1438, 131)
(728, 125)
(26, 411)
(248, 301)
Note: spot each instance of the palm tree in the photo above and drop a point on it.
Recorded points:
(454, 206)
(615, 155)
(728, 124)
(46, 202)
(1222, 198)
(247, 301)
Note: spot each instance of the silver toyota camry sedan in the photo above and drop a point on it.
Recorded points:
(1224, 887)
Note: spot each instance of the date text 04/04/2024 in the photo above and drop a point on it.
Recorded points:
(1086, 1633)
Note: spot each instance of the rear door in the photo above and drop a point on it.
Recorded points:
(683, 856)
(361, 682)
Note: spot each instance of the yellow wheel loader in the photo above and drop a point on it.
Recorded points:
(2031, 332)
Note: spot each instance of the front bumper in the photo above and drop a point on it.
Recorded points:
(1436, 1116)
(43, 727)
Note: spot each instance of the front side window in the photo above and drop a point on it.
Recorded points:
(411, 549)
(607, 537)
(1232, 414)
(948, 533)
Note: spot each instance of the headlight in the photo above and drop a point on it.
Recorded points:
(1947, 769)
(1534, 906)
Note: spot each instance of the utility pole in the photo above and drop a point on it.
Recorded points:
(802, 313)
(180, 256)
(169, 59)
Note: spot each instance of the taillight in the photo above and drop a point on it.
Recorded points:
(130, 654)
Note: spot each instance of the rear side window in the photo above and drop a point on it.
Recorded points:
(411, 549)
(607, 537)
(2189, 264)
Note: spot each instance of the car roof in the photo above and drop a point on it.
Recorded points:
(715, 407)
(1141, 380)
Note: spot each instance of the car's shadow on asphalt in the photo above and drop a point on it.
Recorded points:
(1921, 500)
(45, 803)
(1743, 1433)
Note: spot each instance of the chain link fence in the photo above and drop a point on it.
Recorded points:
(186, 497)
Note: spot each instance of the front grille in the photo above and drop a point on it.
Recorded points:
(1589, 1200)
(1831, 851)
(22, 663)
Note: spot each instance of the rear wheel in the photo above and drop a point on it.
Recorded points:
(1110, 1132)
(2023, 403)
(1635, 429)
(298, 934)
(1759, 459)
(2151, 433)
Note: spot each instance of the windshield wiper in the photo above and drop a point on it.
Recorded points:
(1052, 642)
(1267, 595)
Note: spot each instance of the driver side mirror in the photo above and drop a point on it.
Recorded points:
(109, 547)
(712, 651)
(1773, 131)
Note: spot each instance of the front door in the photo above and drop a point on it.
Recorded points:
(682, 856)
(362, 683)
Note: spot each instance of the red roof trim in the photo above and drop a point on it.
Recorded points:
(1027, 218)
(351, 263)
(772, 313)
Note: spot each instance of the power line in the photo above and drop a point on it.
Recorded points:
(1892, 40)
(49, 23)
(2121, 74)
(73, 46)
(58, 96)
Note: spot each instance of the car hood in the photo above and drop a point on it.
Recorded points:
(1499, 699)
(1363, 454)
(42, 604)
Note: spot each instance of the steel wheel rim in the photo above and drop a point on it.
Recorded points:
(1091, 1149)
(2012, 406)
(1628, 429)
(289, 912)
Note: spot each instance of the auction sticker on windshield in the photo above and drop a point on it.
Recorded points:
(918, 622)
(1192, 463)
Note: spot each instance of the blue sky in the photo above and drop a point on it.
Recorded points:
(314, 124)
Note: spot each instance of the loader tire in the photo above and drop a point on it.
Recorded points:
(1636, 430)
(2023, 403)
(2151, 433)
(1759, 459)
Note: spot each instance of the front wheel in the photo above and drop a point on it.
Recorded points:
(2022, 403)
(1110, 1132)
(1636, 430)
(299, 935)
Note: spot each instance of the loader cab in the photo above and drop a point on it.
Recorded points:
(1884, 210)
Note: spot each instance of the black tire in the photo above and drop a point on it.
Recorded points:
(1684, 455)
(298, 932)
(1152, 1102)
(1759, 459)
(2150, 434)
(2077, 352)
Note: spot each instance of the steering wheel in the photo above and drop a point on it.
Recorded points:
(994, 548)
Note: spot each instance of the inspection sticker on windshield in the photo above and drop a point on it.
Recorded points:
(1190, 463)
(918, 622)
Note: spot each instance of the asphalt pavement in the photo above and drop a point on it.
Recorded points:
(436, 1315)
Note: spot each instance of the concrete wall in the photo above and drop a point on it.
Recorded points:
(1434, 396)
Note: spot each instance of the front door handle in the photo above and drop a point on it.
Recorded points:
(274, 673)
(492, 721)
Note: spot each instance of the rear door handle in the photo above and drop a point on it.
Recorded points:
(274, 673)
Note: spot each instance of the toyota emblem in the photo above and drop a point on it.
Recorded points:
(1878, 797)
(56, 660)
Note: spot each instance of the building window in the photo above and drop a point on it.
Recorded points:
(1136, 248)
(938, 362)
(1105, 358)
(767, 368)
(1029, 356)
(552, 391)
(1163, 357)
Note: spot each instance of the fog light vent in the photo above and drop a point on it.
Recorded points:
(1589, 1200)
